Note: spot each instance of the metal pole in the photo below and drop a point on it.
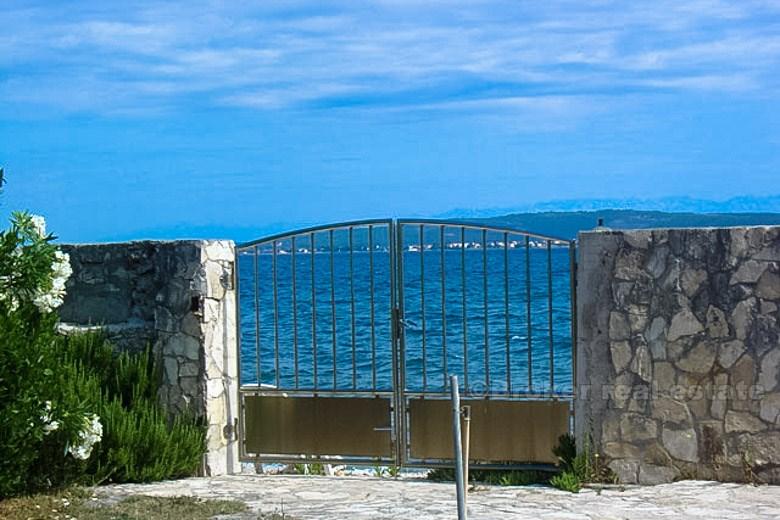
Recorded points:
(456, 441)
(466, 412)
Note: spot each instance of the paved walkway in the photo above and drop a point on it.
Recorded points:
(359, 498)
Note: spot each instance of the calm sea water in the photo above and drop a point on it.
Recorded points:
(425, 366)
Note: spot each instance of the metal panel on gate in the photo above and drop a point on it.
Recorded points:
(319, 426)
(501, 431)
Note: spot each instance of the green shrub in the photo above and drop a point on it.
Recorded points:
(566, 481)
(497, 477)
(42, 427)
(139, 443)
(578, 468)
(566, 451)
(70, 410)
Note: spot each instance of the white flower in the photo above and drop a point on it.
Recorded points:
(49, 424)
(39, 223)
(88, 437)
(61, 271)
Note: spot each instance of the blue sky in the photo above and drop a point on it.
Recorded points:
(162, 119)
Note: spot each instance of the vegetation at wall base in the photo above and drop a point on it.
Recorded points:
(80, 503)
(141, 443)
(495, 477)
(575, 470)
(580, 468)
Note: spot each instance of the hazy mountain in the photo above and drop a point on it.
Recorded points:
(566, 224)
(744, 204)
(563, 224)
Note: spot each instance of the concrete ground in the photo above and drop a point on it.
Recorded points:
(360, 497)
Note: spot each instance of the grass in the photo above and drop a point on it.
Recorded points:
(496, 477)
(78, 504)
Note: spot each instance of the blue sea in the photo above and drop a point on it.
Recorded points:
(270, 357)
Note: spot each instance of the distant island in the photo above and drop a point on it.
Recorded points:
(566, 224)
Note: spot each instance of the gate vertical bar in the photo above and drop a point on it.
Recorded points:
(313, 312)
(485, 309)
(506, 315)
(394, 236)
(256, 266)
(352, 304)
(550, 315)
(294, 280)
(465, 313)
(528, 312)
(371, 299)
(422, 309)
(333, 308)
(276, 317)
(443, 307)
(399, 349)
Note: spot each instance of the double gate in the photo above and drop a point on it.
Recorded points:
(348, 333)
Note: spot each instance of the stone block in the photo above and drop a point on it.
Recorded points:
(681, 444)
(742, 422)
(769, 373)
(742, 317)
(691, 280)
(770, 409)
(642, 364)
(749, 272)
(768, 286)
(652, 474)
(656, 339)
(626, 470)
(664, 376)
(684, 323)
(699, 359)
(669, 410)
(656, 262)
(717, 325)
(729, 352)
(629, 264)
(618, 326)
(635, 427)
(621, 355)
(188, 369)
(621, 450)
(768, 307)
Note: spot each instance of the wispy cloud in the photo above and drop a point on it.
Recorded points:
(103, 57)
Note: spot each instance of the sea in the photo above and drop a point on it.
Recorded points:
(302, 329)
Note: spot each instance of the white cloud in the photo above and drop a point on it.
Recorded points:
(98, 57)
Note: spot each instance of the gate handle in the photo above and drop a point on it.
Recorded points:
(409, 324)
(383, 429)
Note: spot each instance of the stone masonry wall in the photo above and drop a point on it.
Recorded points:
(679, 352)
(178, 298)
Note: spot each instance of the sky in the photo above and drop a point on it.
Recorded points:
(123, 120)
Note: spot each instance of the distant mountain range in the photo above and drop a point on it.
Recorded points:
(566, 224)
(743, 204)
(558, 223)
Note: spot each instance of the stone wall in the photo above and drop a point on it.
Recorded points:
(178, 298)
(679, 352)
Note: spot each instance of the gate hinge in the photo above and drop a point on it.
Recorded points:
(230, 431)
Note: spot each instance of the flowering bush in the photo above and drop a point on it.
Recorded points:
(71, 410)
(47, 421)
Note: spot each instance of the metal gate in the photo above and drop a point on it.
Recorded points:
(348, 332)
